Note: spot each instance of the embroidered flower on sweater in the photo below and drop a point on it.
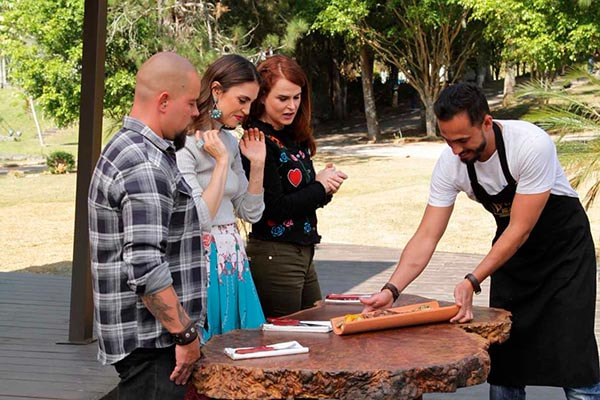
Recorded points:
(277, 231)
(307, 227)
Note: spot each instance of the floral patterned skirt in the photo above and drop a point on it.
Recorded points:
(232, 300)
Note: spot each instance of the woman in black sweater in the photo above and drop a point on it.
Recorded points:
(281, 245)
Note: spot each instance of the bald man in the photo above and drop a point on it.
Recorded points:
(148, 275)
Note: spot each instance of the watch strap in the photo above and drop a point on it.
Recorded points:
(187, 336)
(392, 288)
(474, 282)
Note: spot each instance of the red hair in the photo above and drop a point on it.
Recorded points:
(283, 67)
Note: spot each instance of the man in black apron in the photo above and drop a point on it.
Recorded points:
(542, 262)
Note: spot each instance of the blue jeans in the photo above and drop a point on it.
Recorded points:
(145, 375)
(518, 393)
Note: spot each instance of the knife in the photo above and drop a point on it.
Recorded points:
(296, 322)
(257, 349)
(349, 296)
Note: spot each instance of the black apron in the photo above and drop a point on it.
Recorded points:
(549, 285)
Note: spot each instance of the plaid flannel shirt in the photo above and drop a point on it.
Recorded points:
(144, 237)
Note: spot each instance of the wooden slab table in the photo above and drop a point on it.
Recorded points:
(390, 364)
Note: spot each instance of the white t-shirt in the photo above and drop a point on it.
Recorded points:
(532, 161)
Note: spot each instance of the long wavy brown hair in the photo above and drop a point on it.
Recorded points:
(283, 67)
(229, 70)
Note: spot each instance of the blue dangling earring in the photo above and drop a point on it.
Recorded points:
(215, 113)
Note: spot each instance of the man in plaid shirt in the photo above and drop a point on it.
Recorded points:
(147, 265)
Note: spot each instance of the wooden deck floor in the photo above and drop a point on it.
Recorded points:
(34, 314)
(34, 317)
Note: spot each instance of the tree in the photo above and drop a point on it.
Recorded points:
(545, 34)
(329, 64)
(339, 17)
(568, 114)
(44, 43)
(428, 41)
(43, 40)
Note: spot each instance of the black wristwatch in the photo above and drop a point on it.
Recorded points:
(392, 288)
(474, 282)
(187, 336)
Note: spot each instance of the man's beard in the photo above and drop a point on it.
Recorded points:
(179, 140)
(478, 152)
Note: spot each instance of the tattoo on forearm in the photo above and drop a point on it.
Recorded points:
(183, 317)
(158, 308)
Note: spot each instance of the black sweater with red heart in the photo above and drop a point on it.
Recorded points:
(292, 195)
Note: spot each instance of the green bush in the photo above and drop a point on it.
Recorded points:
(60, 162)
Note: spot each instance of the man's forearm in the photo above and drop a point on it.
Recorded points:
(420, 247)
(166, 308)
(412, 262)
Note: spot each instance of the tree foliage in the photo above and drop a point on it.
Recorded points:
(545, 34)
(43, 41)
(567, 113)
(428, 41)
(341, 17)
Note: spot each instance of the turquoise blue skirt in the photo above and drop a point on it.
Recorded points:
(232, 300)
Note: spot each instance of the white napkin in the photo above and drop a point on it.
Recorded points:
(316, 327)
(281, 349)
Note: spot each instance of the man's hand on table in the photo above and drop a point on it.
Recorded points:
(463, 297)
(383, 299)
(185, 359)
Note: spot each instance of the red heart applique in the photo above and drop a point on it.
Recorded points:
(294, 176)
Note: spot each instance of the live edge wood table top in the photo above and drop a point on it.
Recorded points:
(399, 363)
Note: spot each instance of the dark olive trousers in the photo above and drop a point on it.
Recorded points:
(284, 275)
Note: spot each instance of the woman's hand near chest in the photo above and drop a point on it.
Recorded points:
(253, 147)
(331, 178)
(213, 145)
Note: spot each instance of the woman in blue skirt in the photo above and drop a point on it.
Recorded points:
(210, 163)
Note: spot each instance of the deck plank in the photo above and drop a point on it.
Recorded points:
(34, 318)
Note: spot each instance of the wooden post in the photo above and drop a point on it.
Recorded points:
(37, 124)
(90, 142)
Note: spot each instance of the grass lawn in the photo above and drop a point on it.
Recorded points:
(15, 114)
(380, 204)
(36, 222)
(383, 201)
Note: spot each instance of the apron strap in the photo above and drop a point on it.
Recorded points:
(502, 153)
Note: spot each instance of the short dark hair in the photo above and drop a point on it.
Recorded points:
(462, 97)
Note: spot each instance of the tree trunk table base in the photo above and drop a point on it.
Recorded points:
(389, 364)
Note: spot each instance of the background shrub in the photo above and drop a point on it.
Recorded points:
(60, 162)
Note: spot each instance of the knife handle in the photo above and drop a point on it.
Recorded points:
(283, 321)
(254, 349)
